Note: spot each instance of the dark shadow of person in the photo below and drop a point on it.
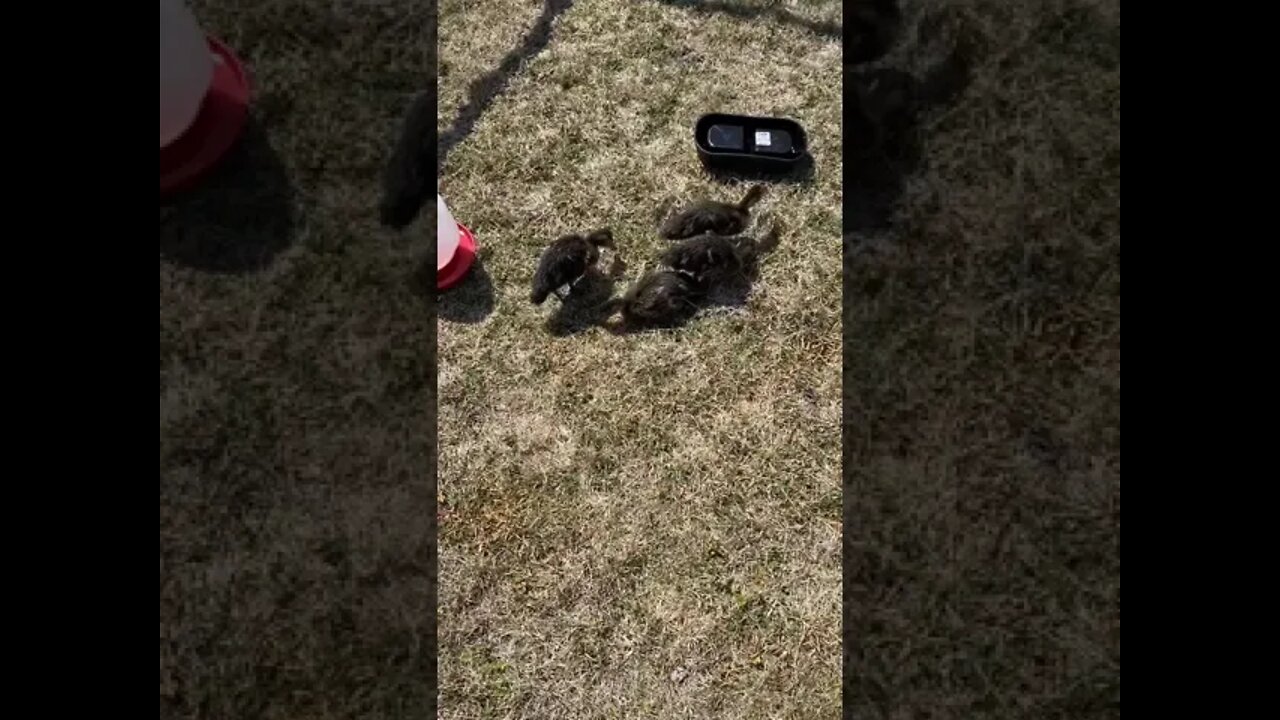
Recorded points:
(483, 91)
(237, 219)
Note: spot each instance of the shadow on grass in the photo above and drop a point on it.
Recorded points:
(883, 111)
(470, 301)
(237, 219)
(589, 306)
(871, 31)
(733, 291)
(774, 13)
(483, 91)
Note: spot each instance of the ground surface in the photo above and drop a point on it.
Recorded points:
(296, 387)
(982, 390)
(643, 526)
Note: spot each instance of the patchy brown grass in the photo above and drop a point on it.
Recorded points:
(982, 391)
(643, 526)
(296, 385)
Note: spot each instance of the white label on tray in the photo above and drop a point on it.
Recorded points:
(763, 138)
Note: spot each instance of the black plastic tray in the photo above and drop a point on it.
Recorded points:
(749, 144)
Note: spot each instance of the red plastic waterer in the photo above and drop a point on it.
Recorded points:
(455, 248)
(204, 99)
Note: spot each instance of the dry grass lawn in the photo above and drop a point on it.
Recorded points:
(982, 389)
(296, 389)
(643, 526)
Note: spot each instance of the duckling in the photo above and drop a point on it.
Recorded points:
(565, 262)
(709, 258)
(659, 299)
(711, 216)
(704, 257)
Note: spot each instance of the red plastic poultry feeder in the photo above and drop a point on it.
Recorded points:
(204, 99)
(455, 248)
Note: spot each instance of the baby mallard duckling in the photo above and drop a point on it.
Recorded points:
(565, 262)
(710, 258)
(710, 216)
